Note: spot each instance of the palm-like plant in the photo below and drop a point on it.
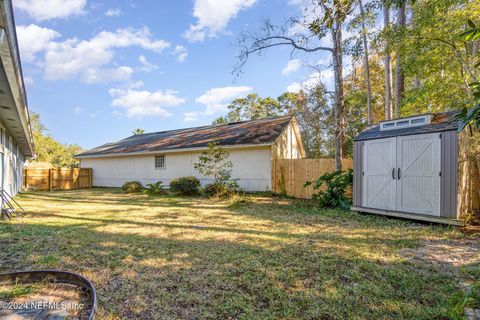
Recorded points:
(471, 116)
(154, 188)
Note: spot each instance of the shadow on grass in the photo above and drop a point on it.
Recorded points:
(148, 277)
(293, 262)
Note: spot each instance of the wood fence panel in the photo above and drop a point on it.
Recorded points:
(290, 175)
(57, 178)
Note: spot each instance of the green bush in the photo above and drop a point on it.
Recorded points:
(132, 187)
(338, 191)
(185, 186)
(154, 188)
(221, 190)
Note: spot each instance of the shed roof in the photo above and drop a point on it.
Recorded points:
(254, 132)
(444, 121)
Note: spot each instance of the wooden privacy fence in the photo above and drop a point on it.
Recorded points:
(290, 175)
(57, 178)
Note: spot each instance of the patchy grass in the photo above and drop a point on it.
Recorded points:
(255, 257)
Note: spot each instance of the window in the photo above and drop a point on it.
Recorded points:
(410, 122)
(160, 162)
(417, 121)
(389, 125)
(7, 141)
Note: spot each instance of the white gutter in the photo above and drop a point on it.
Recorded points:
(109, 155)
(10, 59)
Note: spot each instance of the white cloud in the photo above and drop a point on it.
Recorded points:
(145, 103)
(325, 77)
(113, 12)
(45, 10)
(90, 60)
(213, 16)
(146, 66)
(190, 116)
(294, 87)
(104, 75)
(217, 99)
(181, 53)
(292, 66)
(33, 39)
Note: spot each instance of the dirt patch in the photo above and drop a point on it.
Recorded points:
(46, 301)
(446, 255)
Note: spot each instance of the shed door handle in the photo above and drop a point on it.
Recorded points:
(393, 173)
(398, 174)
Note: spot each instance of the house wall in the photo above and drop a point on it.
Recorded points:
(11, 163)
(252, 166)
(289, 144)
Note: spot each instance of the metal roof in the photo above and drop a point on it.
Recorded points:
(254, 132)
(441, 122)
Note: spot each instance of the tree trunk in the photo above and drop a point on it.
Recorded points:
(399, 87)
(367, 66)
(339, 108)
(387, 62)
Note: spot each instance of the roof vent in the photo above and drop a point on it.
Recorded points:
(406, 122)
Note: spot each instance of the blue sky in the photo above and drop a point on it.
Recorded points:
(96, 70)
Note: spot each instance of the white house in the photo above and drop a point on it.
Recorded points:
(166, 155)
(16, 141)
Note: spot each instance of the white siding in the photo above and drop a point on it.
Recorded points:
(288, 145)
(252, 166)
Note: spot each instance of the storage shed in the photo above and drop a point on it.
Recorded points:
(418, 168)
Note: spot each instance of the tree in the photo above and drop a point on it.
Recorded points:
(472, 116)
(387, 63)
(437, 64)
(399, 84)
(214, 162)
(314, 117)
(138, 131)
(47, 149)
(251, 107)
(332, 16)
(367, 66)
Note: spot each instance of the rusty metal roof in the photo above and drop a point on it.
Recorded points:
(441, 122)
(254, 132)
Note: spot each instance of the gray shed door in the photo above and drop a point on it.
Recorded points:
(418, 158)
(379, 187)
(403, 174)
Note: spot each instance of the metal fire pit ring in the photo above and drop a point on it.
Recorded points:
(56, 277)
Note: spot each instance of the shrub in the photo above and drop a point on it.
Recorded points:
(214, 162)
(338, 191)
(132, 187)
(185, 186)
(221, 190)
(154, 188)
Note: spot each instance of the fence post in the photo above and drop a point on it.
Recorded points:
(90, 178)
(50, 179)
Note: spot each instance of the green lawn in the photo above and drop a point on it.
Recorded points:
(254, 257)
